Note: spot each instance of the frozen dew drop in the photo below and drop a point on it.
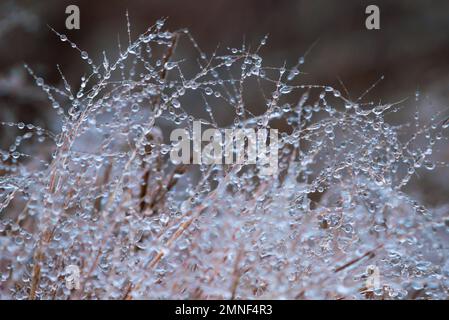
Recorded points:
(208, 91)
(175, 103)
(286, 89)
(446, 124)
(170, 65)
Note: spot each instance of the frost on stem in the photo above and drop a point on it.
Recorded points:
(102, 194)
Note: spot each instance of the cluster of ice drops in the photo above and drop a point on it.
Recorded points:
(102, 194)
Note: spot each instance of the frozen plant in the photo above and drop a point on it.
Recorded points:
(102, 194)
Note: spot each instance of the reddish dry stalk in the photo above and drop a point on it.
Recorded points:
(369, 254)
(237, 274)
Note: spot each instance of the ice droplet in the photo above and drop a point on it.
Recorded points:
(286, 89)
(175, 103)
(170, 65)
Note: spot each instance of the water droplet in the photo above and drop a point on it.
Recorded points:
(135, 108)
(429, 165)
(175, 103)
(286, 89)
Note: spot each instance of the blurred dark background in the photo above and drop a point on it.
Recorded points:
(411, 49)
